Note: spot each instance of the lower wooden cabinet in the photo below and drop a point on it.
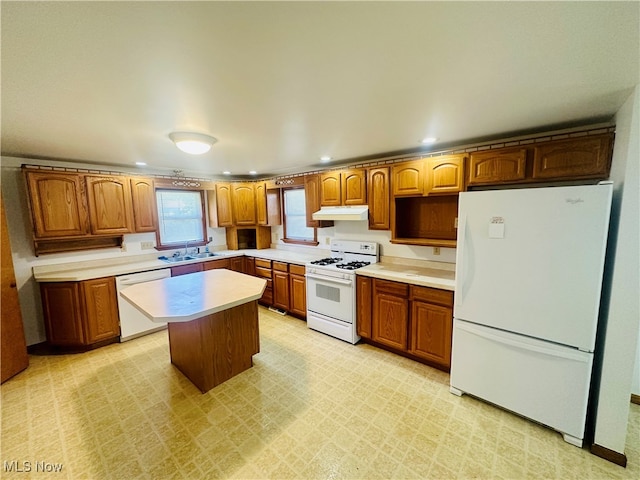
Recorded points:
(297, 291)
(216, 264)
(189, 268)
(263, 269)
(80, 314)
(280, 285)
(412, 320)
(237, 264)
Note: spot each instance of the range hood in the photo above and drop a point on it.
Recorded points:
(349, 212)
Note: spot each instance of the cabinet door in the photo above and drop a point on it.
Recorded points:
(186, 269)
(444, 175)
(213, 265)
(390, 321)
(354, 187)
(379, 199)
(312, 201)
(250, 266)
(244, 204)
(364, 293)
(100, 309)
(330, 189)
(497, 166)
(281, 290)
(262, 213)
(223, 205)
(297, 291)
(62, 313)
(431, 328)
(143, 197)
(237, 264)
(408, 178)
(583, 157)
(58, 204)
(109, 200)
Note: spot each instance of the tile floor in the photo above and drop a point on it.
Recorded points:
(311, 407)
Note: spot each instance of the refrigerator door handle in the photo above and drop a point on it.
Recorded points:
(462, 256)
(569, 355)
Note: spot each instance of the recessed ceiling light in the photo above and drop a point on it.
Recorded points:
(193, 143)
(226, 172)
(325, 158)
(429, 140)
(141, 164)
(252, 172)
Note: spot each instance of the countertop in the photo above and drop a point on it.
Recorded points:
(188, 297)
(86, 270)
(443, 279)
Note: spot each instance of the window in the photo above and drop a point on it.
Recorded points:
(295, 217)
(180, 218)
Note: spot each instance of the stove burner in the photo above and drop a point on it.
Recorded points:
(352, 265)
(326, 261)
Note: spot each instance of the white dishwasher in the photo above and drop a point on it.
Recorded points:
(132, 322)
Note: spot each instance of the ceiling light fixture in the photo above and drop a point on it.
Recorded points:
(325, 158)
(226, 172)
(193, 143)
(252, 172)
(428, 140)
(141, 164)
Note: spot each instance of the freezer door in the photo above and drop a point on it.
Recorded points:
(545, 382)
(531, 260)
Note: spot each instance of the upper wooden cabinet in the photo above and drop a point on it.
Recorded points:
(497, 166)
(444, 175)
(344, 187)
(243, 200)
(58, 204)
(109, 200)
(312, 200)
(379, 193)
(262, 213)
(407, 178)
(224, 208)
(581, 157)
(145, 213)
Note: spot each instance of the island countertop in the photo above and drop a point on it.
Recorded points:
(188, 297)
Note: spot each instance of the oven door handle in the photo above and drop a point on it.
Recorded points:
(329, 279)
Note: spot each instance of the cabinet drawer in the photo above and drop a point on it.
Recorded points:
(394, 288)
(263, 272)
(260, 262)
(282, 267)
(432, 295)
(296, 269)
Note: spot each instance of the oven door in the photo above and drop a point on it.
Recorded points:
(332, 297)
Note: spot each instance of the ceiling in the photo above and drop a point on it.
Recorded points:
(281, 84)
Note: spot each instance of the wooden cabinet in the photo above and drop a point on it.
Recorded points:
(280, 285)
(312, 201)
(243, 200)
(582, 157)
(262, 213)
(297, 291)
(444, 175)
(364, 296)
(390, 314)
(408, 178)
(344, 187)
(503, 165)
(13, 347)
(250, 266)
(58, 204)
(236, 264)
(214, 264)
(143, 198)
(109, 200)
(189, 268)
(379, 194)
(223, 202)
(431, 324)
(263, 270)
(80, 314)
(412, 320)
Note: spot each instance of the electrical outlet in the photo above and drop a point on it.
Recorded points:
(146, 245)
(436, 250)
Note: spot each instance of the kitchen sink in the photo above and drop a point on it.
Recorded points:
(184, 258)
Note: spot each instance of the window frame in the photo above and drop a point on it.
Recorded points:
(180, 245)
(295, 241)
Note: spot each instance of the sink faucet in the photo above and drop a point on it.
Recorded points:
(186, 248)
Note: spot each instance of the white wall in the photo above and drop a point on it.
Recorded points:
(621, 307)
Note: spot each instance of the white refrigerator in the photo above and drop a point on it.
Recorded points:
(529, 268)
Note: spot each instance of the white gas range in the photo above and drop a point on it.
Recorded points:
(331, 288)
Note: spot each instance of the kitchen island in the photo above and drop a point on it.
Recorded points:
(212, 320)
